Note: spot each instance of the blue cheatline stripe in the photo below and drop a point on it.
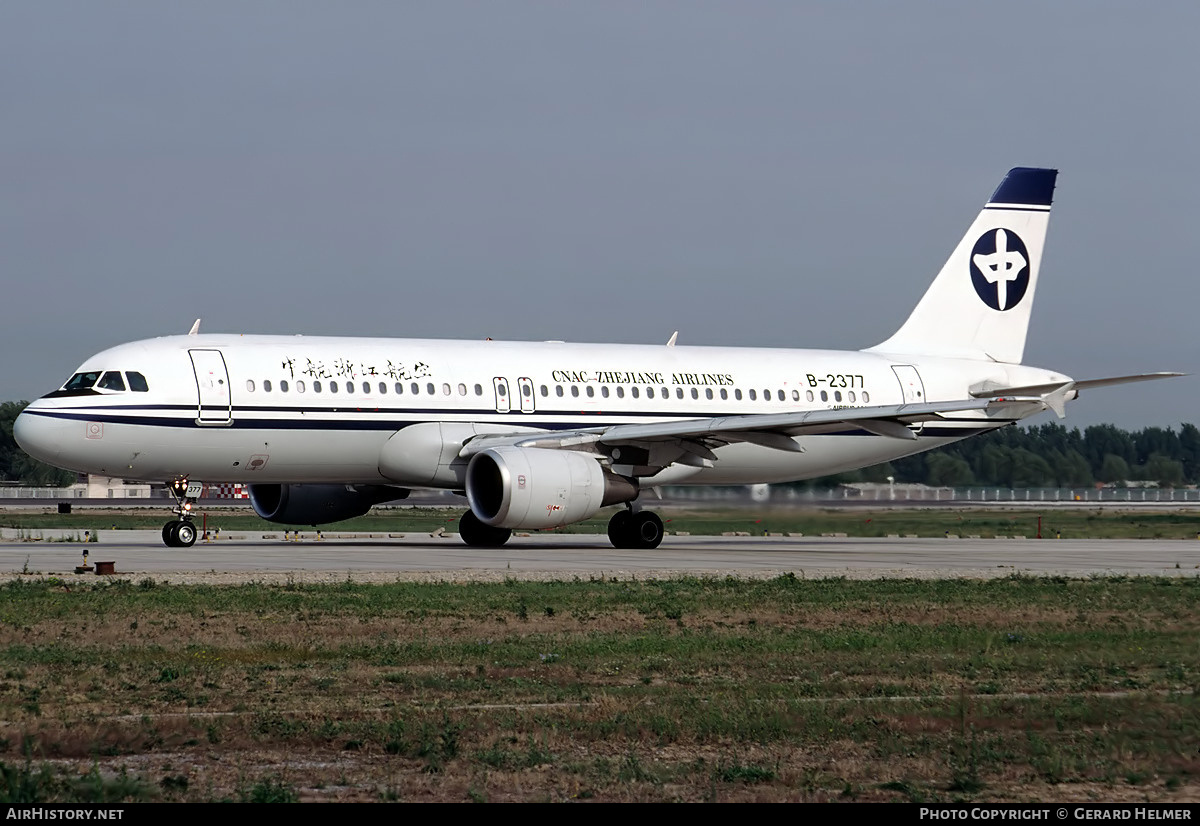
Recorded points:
(968, 426)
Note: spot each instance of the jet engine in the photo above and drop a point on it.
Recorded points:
(318, 504)
(514, 487)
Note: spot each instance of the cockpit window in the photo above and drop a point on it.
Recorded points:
(112, 381)
(82, 381)
(137, 382)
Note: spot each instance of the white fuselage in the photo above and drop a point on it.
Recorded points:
(299, 409)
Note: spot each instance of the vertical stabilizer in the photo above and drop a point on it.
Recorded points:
(978, 306)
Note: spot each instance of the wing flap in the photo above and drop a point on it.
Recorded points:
(792, 424)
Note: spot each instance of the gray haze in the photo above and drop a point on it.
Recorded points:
(756, 173)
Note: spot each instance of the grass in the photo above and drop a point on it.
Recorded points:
(1016, 689)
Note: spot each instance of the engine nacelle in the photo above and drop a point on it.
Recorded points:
(318, 504)
(514, 487)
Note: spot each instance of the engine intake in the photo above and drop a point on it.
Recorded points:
(514, 487)
(318, 504)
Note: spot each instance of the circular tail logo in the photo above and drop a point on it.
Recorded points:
(1000, 269)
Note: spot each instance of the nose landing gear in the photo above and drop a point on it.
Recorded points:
(181, 532)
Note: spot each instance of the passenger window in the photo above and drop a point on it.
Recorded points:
(620, 392)
(604, 391)
(591, 391)
(574, 391)
(866, 398)
(796, 395)
(649, 392)
(737, 394)
(366, 385)
(780, 395)
(316, 387)
(695, 393)
(479, 390)
(545, 391)
(137, 382)
(429, 388)
(724, 394)
(837, 395)
(333, 387)
(850, 395)
(445, 389)
(399, 388)
(283, 387)
(766, 395)
(708, 393)
(558, 391)
(299, 387)
(415, 388)
(824, 396)
(112, 381)
(462, 389)
(664, 392)
(679, 392)
(383, 388)
(809, 395)
(250, 385)
(266, 385)
(753, 395)
(633, 391)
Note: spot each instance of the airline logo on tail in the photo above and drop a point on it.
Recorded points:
(1000, 269)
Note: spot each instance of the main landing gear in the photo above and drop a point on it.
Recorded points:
(641, 530)
(181, 532)
(478, 535)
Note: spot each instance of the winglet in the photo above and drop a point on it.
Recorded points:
(195, 328)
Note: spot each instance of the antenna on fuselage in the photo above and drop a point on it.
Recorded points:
(195, 328)
(671, 340)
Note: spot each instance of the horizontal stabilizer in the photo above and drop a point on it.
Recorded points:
(990, 390)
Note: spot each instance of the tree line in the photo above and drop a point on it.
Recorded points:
(1046, 455)
(1051, 455)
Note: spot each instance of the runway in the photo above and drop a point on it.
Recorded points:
(373, 557)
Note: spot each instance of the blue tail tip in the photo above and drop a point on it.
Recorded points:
(1027, 186)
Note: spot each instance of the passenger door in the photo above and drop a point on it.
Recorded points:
(214, 406)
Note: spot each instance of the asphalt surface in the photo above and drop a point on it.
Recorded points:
(382, 557)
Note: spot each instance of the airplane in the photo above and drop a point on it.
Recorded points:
(539, 435)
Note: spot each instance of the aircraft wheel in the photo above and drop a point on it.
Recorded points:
(647, 530)
(185, 535)
(478, 535)
(620, 529)
(168, 534)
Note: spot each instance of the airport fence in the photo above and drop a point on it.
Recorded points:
(783, 495)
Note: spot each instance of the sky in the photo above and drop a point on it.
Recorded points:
(780, 174)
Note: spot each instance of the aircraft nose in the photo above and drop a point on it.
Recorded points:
(37, 435)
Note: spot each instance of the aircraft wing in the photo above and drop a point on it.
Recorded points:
(690, 441)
